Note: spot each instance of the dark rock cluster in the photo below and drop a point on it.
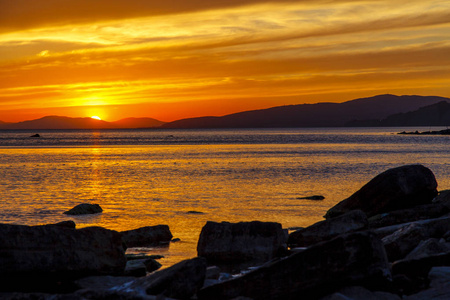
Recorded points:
(390, 240)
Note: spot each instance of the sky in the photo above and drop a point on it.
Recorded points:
(175, 59)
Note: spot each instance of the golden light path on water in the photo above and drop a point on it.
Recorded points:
(184, 186)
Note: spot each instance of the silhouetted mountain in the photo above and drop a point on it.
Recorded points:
(137, 123)
(313, 115)
(57, 122)
(437, 114)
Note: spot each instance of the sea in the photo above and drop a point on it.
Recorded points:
(184, 178)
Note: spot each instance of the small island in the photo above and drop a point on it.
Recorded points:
(440, 132)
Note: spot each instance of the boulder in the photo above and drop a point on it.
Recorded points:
(241, 243)
(397, 188)
(421, 212)
(420, 263)
(181, 281)
(427, 248)
(327, 229)
(404, 240)
(34, 257)
(436, 228)
(147, 236)
(349, 259)
(152, 265)
(68, 224)
(84, 209)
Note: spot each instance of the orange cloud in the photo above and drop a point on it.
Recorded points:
(216, 57)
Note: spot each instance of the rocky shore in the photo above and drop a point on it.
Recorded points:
(389, 240)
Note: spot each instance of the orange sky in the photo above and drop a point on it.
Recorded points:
(175, 59)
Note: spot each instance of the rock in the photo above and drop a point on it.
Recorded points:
(212, 272)
(136, 268)
(68, 224)
(404, 240)
(152, 265)
(36, 258)
(436, 228)
(427, 248)
(84, 209)
(147, 236)
(181, 281)
(443, 196)
(102, 282)
(355, 258)
(421, 212)
(315, 197)
(359, 293)
(194, 212)
(394, 189)
(244, 243)
(327, 229)
(420, 263)
(439, 286)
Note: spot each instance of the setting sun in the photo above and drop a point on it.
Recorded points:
(96, 117)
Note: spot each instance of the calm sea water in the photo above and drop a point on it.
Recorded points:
(149, 177)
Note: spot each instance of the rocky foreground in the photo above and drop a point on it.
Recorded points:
(389, 240)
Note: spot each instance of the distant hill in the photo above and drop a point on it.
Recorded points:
(137, 123)
(437, 114)
(381, 110)
(58, 122)
(314, 115)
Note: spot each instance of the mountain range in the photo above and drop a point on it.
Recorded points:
(381, 110)
(57, 122)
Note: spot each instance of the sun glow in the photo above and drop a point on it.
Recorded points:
(96, 117)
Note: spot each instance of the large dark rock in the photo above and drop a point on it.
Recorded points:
(84, 209)
(327, 229)
(404, 240)
(394, 189)
(147, 236)
(241, 243)
(421, 212)
(351, 259)
(181, 281)
(33, 257)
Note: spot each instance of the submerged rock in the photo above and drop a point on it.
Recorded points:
(84, 209)
(241, 243)
(397, 188)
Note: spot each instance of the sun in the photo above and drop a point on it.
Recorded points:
(96, 117)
